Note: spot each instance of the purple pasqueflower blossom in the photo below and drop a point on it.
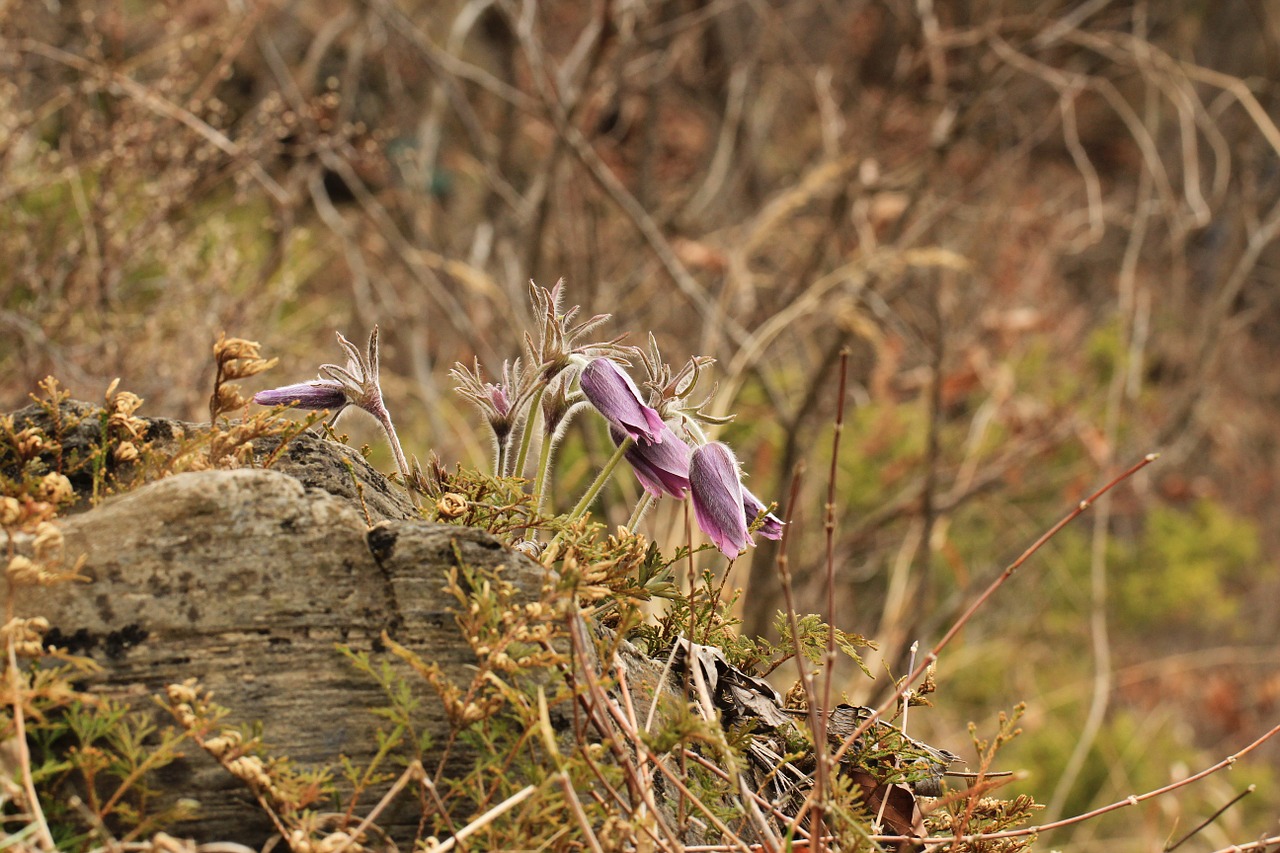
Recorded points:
(716, 489)
(752, 506)
(314, 395)
(357, 383)
(662, 467)
(608, 387)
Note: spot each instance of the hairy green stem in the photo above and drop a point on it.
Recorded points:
(642, 506)
(500, 455)
(535, 407)
(543, 480)
(380, 412)
(603, 477)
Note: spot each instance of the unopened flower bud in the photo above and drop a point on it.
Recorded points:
(315, 395)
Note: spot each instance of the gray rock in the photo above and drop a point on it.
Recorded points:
(249, 580)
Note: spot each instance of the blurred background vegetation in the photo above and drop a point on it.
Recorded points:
(1045, 231)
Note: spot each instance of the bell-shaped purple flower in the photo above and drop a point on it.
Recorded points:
(752, 506)
(314, 395)
(716, 488)
(616, 397)
(662, 468)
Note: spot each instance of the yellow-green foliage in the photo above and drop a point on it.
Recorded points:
(1182, 571)
(883, 446)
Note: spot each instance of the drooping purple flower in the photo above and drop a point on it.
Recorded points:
(616, 397)
(357, 383)
(314, 395)
(752, 506)
(662, 468)
(716, 488)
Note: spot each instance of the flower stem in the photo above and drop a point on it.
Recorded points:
(542, 483)
(385, 419)
(500, 454)
(642, 506)
(535, 407)
(603, 477)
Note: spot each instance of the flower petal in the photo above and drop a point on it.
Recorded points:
(717, 497)
(752, 506)
(662, 468)
(318, 394)
(616, 397)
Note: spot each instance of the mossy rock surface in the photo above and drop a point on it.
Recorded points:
(249, 580)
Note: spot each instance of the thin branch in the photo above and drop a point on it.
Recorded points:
(487, 818)
(712, 313)
(932, 657)
(157, 104)
(1210, 819)
(1131, 800)
(43, 836)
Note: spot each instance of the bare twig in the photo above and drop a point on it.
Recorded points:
(487, 818)
(575, 806)
(413, 772)
(713, 314)
(1168, 848)
(1131, 800)
(905, 684)
(43, 836)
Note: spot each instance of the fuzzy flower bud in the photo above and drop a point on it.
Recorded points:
(314, 395)
(357, 383)
(724, 507)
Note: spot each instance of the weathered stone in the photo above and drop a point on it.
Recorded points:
(249, 580)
